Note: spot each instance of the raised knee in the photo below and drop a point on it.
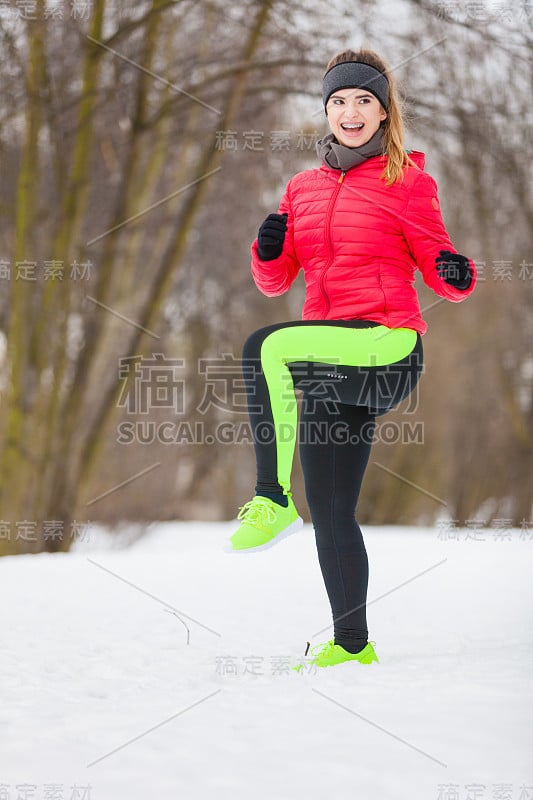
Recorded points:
(252, 345)
(254, 342)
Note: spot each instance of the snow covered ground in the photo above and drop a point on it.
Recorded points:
(104, 699)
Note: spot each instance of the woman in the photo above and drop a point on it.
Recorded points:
(358, 226)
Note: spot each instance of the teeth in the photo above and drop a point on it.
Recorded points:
(352, 125)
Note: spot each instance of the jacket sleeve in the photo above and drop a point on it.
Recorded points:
(276, 276)
(425, 234)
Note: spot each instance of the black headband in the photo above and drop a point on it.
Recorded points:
(356, 74)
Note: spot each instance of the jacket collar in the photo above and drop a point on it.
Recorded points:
(415, 155)
(418, 157)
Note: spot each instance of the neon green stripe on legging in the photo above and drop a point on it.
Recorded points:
(327, 344)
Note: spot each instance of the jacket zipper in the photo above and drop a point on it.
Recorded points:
(330, 243)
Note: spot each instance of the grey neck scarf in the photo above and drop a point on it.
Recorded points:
(338, 156)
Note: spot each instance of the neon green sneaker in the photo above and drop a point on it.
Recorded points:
(330, 654)
(263, 524)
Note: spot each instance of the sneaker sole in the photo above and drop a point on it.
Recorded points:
(299, 667)
(292, 528)
(350, 661)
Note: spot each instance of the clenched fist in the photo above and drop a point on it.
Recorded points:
(271, 237)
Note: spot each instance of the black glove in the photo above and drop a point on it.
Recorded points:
(271, 237)
(454, 269)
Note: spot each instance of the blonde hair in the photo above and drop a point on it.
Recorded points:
(393, 126)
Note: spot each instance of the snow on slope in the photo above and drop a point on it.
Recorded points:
(103, 699)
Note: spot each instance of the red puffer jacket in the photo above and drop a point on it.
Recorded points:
(359, 243)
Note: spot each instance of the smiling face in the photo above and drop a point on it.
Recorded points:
(354, 115)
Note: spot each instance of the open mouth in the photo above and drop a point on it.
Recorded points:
(352, 126)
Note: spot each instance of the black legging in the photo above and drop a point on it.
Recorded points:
(333, 474)
(335, 431)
